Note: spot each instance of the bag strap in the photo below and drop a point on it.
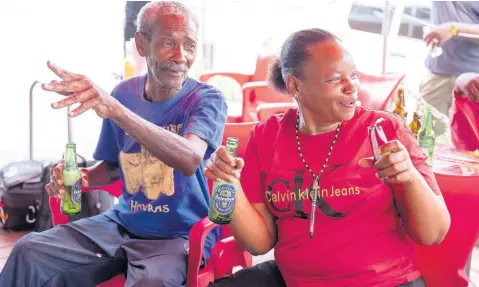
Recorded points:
(3, 216)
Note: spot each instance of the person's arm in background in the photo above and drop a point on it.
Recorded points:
(444, 32)
(467, 84)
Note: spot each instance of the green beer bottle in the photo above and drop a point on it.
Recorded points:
(71, 202)
(426, 136)
(223, 196)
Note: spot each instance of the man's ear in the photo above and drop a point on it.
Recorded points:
(141, 43)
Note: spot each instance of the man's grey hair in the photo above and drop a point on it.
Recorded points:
(151, 12)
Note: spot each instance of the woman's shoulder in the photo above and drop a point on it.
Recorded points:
(274, 124)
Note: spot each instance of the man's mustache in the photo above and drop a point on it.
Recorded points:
(173, 67)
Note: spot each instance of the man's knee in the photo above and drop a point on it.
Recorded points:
(164, 273)
(27, 247)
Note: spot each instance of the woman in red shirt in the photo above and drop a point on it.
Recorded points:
(367, 211)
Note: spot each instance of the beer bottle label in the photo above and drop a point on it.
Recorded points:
(76, 192)
(224, 198)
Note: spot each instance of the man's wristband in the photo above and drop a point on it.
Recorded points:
(453, 30)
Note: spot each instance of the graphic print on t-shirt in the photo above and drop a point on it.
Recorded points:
(286, 191)
(143, 171)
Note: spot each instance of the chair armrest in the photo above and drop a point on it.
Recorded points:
(227, 254)
(241, 79)
(196, 245)
(255, 84)
(113, 188)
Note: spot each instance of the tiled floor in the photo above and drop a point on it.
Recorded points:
(8, 239)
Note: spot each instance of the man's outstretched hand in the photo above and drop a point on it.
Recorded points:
(79, 89)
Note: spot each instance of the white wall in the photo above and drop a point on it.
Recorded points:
(82, 36)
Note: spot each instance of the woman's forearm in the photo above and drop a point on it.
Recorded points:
(251, 229)
(424, 214)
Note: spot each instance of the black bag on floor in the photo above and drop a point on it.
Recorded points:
(21, 187)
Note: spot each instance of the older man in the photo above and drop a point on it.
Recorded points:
(158, 129)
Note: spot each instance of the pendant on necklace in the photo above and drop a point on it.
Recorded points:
(316, 183)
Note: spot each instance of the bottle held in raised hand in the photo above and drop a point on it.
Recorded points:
(223, 196)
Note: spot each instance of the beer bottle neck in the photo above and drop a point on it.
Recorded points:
(70, 158)
(232, 146)
(427, 120)
(232, 150)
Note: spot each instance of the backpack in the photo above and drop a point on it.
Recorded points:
(22, 185)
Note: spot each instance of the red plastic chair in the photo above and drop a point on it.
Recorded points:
(241, 131)
(377, 92)
(258, 93)
(464, 115)
(264, 111)
(260, 74)
(225, 255)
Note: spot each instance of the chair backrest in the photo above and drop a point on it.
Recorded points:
(464, 116)
(264, 111)
(241, 131)
(257, 93)
(262, 67)
(377, 91)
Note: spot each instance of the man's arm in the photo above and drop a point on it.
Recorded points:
(204, 129)
(205, 126)
(103, 173)
(471, 29)
(181, 153)
(444, 32)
